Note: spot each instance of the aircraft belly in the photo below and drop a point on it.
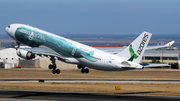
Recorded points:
(99, 65)
(72, 61)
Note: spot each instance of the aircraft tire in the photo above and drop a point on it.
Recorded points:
(54, 71)
(54, 66)
(50, 66)
(82, 71)
(58, 71)
(87, 70)
(79, 66)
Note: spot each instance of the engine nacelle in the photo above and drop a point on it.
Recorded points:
(25, 54)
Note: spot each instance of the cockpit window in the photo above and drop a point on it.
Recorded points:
(8, 26)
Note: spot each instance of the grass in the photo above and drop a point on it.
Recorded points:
(126, 88)
(152, 89)
(94, 74)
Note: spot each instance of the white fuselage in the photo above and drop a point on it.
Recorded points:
(74, 52)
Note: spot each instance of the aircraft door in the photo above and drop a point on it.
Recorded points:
(73, 51)
(31, 36)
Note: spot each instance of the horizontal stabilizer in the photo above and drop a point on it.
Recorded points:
(150, 65)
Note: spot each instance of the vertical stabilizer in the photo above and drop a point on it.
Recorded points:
(136, 49)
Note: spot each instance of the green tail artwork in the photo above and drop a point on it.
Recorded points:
(133, 55)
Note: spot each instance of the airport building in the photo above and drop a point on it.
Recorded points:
(9, 59)
(169, 56)
(163, 55)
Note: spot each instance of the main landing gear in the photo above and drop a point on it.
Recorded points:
(53, 66)
(83, 69)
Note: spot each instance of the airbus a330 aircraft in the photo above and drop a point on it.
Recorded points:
(59, 48)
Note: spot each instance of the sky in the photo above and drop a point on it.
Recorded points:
(93, 17)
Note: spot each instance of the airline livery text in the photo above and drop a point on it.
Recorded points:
(141, 46)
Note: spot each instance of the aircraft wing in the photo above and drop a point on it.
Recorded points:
(115, 50)
(44, 51)
(150, 65)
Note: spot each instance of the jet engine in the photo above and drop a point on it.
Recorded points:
(25, 54)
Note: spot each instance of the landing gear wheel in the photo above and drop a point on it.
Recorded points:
(50, 66)
(54, 66)
(79, 66)
(87, 70)
(82, 71)
(57, 71)
(54, 71)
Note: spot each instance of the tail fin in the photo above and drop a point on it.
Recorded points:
(136, 49)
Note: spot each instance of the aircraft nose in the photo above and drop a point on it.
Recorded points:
(6, 29)
(9, 31)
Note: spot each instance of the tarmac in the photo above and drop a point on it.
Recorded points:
(94, 80)
(29, 95)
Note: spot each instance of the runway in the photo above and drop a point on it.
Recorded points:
(30, 95)
(94, 80)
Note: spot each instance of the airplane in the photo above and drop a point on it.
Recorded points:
(59, 48)
(116, 50)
